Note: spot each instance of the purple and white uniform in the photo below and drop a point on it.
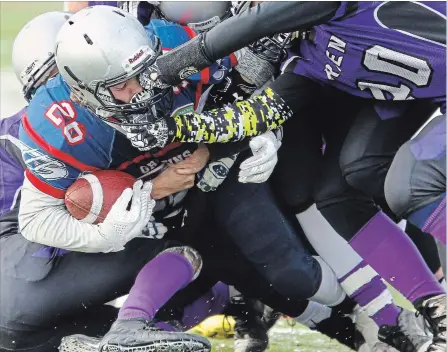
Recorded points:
(372, 52)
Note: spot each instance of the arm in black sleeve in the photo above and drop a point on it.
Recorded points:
(265, 20)
(237, 32)
(286, 96)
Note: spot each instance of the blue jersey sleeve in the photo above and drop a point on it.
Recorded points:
(63, 139)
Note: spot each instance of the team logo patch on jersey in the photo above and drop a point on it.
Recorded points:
(43, 165)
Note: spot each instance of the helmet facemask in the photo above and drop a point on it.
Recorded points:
(154, 103)
(36, 75)
(272, 49)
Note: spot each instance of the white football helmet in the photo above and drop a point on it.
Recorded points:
(103, 46)
(33, 50)
(198, 15)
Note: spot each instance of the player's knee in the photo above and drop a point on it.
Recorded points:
(365, 174)
(330, 191)
(193, 257)
(305, 282)
(398, 182)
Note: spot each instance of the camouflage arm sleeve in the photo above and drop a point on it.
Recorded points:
(234, 122)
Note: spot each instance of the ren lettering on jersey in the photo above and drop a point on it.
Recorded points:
(334, 49)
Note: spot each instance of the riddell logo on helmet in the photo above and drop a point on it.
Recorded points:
(136, 56)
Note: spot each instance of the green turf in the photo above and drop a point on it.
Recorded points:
(13, 16)
(285, 338)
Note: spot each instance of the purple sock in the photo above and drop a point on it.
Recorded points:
(435, 223)
(212, 303)
(155, 284)
(389, 251)
(365, 287)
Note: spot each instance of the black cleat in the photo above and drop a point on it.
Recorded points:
(341, 328)
(250, 329)
(406, 336)
(137, 335)
(434, 310)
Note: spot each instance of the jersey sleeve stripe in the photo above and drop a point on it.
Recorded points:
(66, 158)
(44, 187)
(134, 161)
(147, 155)
(233, 60)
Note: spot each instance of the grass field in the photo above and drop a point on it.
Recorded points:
(285, 338)
(13, 15)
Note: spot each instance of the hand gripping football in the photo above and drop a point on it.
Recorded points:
(90, 197)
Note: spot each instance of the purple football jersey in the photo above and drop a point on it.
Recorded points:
(381, 50)
(11, 163)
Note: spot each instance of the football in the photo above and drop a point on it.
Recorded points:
(90, 197)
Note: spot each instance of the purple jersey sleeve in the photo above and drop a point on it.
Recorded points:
(11, 164)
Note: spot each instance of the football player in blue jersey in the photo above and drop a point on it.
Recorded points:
(24, 262)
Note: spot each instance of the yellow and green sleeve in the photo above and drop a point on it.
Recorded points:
(234, 122)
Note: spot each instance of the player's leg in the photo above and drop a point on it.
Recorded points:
(270, 243)
(368, 150)
(156, 283)
(415, 189)
(135, 332)
(44, 290)
(299, 156)
(415, 185)
(376, 239)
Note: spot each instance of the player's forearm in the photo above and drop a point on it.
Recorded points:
(265, 20)
(232, 123)
(44, 219)
(227, 37)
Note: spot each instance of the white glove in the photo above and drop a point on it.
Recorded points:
(259, 167)
(154, 230)
(122, 225)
